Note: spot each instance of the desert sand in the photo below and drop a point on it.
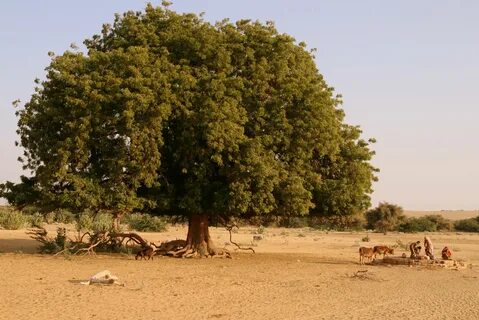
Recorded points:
(295, 274)
(448, 214)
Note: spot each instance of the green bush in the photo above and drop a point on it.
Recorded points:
(89, 222)
(385, 217)
(442, 224)
(64, 216)
(36, 220)
(420, 224)
(59, 243)
(429, 223)
(468, 225)
(50, 217)
(293, 222)
(145, 223)
(354, 222)
(12, 220)
(30, 210)
(84, 222)
(102, 222)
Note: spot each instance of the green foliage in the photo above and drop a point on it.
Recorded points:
(293, 222)
(59, 216)
(50, 217)
(169, 113)
(420, 224)
(102, 222)
(59, 243)
(385, 217)
(427, 223)
(468, 225)
(20, 195)
(36, 220)
(12, 219)
(352, 222)
(84, 222)
(145, 222)
(95, 223)
(64, 216)
(442, 224)
(346, 176)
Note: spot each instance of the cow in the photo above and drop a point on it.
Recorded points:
(365, 253)
(384, 250)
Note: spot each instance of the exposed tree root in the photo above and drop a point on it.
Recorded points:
(105, 240)
(40, 235)
(202, 251)
(89, 243)
(169, 247)
(230, 228)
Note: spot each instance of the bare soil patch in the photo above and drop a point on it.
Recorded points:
(295, 274)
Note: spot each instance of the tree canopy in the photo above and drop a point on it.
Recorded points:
(385, 217)
(168, 113)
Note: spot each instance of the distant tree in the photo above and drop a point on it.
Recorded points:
(419, 224)
(170, 114)
(20, 195)
(468, 225)
(442, 224)
(385, 217)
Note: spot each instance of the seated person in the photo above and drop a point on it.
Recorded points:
(446, 253)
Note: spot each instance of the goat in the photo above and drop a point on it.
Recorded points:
(147, 252)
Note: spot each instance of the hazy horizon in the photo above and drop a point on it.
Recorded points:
(407, 72)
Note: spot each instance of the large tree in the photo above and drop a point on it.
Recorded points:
(193, 119)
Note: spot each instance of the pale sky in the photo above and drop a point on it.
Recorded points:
(408, 72)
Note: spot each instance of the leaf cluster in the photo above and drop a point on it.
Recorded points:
(168, 113)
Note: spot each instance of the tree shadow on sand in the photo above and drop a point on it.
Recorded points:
(18, 245)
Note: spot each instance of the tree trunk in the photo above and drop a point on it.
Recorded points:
(198, 240)
(117, 215)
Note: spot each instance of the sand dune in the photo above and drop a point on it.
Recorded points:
(295, 274)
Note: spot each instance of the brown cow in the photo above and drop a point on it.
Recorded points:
(384, 250)
(365, 253)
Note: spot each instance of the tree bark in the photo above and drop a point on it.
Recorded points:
(198, 240)
(117, 215)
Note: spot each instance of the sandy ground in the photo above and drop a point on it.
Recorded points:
(295, 274)
(448, 214)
